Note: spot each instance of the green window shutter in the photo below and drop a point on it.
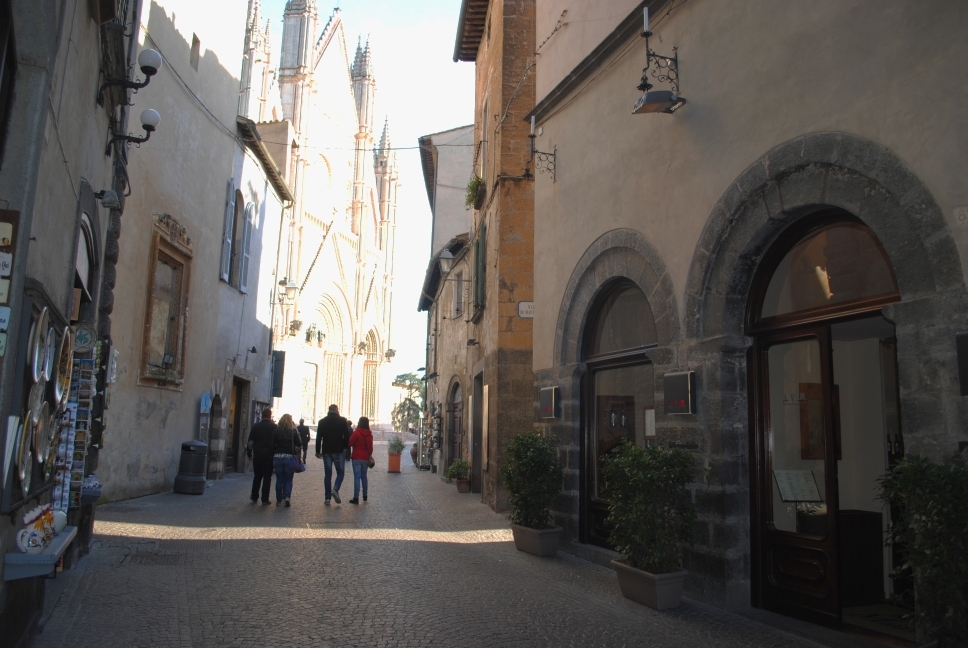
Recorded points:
(248, 218)
(228, 228)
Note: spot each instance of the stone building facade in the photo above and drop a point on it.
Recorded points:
(794, 234)
(499, 38)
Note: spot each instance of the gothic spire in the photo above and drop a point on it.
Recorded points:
(385, 137)
(362, 63)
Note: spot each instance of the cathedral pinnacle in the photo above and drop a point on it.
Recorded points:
(385, 137)
(362, 63)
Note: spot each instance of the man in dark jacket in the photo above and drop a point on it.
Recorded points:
(332, 438)
(260, 449)
(303, 430)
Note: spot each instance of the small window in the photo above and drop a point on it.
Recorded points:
(163, 345)
(196, 50)
(459, 295)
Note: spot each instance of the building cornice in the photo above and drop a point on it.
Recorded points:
(470, 29)
(631, 26)
(250, 135)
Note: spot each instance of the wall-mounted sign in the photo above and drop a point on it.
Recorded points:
(549, 402)
(526, 309)
(6, 264)
(680, 392)
(4, 317)
(797, 486)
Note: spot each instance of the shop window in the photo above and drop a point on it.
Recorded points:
(163, 344)
(620, 397)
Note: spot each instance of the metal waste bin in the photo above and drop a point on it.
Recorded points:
(191, 468)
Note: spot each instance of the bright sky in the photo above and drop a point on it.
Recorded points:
(423, 91)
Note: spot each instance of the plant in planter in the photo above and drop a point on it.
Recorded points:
(476, 192)
(931, 501)
(394, 448)
(533, 476)
(458, 472)
(651, 518)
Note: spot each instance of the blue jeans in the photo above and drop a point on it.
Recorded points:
(360, 466)
(330, 460)
(283, 477)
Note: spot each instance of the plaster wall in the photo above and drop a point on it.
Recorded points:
(831, 66)
(182, 170)
(454, 153)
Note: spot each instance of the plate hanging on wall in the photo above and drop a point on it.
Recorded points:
(50, 352)
(85, 337)
(63, 366)
(23, 450)
(41, 442)
(38, 354)
(35, 400)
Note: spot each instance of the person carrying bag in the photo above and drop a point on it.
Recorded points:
(285, 459)
(361, 444)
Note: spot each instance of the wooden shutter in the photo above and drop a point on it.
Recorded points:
(227, 228)
(278, 370)
(480, 268)
(248, 219)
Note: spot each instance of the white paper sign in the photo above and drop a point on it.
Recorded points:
(6, 264)
(4, 317)
(526, 309)
(797, 486)
(3, 344)
(4, 290)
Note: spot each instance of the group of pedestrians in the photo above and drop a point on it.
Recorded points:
(273, 447)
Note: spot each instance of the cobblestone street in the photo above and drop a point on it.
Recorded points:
(417, 565)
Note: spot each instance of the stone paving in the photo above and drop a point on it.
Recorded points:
(417, 565)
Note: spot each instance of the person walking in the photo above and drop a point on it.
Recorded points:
(361, 444)
(259, 449)
(285, 445)
(303, 430)
(332, 438)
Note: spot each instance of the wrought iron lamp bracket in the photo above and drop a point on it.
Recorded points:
(137, 141)
(544, 162)
(125, 83)
(664, 69)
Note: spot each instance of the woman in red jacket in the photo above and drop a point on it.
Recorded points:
(361, 445)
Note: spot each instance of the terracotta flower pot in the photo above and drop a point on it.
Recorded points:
(393, 462)
(658, 591)
(463, 485)
(538, 542)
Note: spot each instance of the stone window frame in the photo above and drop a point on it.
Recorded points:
(169, 240)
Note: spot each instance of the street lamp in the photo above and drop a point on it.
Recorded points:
(446, 261)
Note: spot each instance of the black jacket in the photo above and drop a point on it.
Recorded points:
(332, 434)
(303, 435)
(286, 441)
(260, 438)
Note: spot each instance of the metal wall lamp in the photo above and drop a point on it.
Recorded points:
(149, 121)
(149, 61)
(543, 162)
(664, 69)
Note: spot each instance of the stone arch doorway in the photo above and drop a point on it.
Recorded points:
(823, 390)
(786, 188)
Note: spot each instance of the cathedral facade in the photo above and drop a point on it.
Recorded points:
(334, 273)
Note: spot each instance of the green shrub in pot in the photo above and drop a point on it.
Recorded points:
(395, 444)
(931, 500)
(532, 475)
(457, 470)
(652, 512)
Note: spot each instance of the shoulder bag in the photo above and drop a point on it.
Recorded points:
(295, 464)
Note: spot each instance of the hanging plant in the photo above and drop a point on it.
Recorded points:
(476, 191)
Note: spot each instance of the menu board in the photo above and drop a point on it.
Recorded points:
(797, 486)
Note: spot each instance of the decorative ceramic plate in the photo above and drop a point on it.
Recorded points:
(38, 353)
(85, 337)
(23, 450)
(35, 400)
(40, 432)
(51, 447)
(50, 353)
(28, 472)
(63, 368)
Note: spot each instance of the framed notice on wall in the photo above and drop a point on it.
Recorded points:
(484, 429)
(797, 486)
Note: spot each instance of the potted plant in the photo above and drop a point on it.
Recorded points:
(651, 518)
(931, 526)
(458, 472)
(532, 474)
(394, 448)
(476, 192)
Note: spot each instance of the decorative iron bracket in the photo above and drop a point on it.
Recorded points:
(543, 162)
(131, 85)
(665, 70)
(137, 141)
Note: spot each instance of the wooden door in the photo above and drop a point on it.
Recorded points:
(795, 478)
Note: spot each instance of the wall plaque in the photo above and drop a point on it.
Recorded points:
(680, 392)
(549, 402)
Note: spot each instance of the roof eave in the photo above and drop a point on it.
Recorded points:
(254, 141)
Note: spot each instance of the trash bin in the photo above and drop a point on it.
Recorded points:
(191, 468)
